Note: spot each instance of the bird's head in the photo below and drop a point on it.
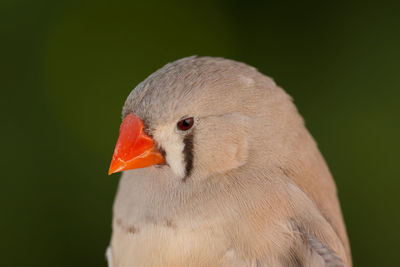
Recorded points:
(196, 116)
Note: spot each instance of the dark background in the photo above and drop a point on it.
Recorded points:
(67, 67)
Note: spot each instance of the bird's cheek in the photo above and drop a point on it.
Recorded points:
(231, 155)
(222, 149)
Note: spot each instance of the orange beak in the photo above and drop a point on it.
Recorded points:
(134, 149)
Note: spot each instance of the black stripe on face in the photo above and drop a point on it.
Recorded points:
(163, 153)
(188, 154)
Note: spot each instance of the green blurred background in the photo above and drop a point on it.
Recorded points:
(67, 67)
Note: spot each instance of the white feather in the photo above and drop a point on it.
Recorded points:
(173, 145)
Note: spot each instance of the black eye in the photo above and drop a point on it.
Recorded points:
(185, 124)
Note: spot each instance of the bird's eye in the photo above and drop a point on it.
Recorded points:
(185, 124)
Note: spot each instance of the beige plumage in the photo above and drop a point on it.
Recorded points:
(245, 186)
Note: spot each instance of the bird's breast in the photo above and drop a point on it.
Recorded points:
(166, 244)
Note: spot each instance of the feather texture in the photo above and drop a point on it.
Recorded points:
(246, 187)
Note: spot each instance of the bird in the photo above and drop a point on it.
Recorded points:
(220, 170)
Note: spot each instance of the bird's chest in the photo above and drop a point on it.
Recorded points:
(166, 244)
